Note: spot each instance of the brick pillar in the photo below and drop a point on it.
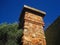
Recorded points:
(33, 33)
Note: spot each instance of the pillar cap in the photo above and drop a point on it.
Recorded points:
(33, 9)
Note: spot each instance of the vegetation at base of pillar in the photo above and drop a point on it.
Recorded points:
(10, 34)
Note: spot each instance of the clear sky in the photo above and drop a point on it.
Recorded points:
(10, 9)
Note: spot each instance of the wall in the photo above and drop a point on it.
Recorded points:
(33, 30)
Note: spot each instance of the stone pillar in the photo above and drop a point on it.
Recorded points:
(33, 33)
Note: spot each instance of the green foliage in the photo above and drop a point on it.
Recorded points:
(10, 34)
(11, 42)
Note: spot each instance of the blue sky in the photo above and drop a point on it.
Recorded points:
(10, 9)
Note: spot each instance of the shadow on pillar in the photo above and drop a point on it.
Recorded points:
(21, 26)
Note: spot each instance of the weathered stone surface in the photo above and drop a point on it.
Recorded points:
(33, 30)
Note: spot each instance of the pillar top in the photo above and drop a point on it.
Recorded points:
(35, 10)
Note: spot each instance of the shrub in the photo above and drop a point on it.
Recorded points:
(10, 34)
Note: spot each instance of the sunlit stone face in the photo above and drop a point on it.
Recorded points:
(33, 30)
(33, 17)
